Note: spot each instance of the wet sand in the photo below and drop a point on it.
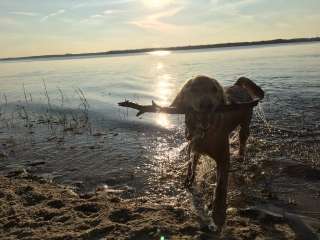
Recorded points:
(32, 208)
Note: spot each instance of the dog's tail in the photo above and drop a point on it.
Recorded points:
(254, 90)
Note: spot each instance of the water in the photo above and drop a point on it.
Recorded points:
(137, 152)
(287, 72)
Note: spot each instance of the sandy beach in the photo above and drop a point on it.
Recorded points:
(34, 207)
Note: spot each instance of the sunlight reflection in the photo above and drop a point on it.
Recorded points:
(159, 66)
(163, 90)
(162, 120)
(160, 53)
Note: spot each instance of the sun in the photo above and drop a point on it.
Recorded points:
(156, 3)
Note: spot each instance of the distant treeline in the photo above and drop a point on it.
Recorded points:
(191, 47)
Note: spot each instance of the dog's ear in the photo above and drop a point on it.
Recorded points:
(221, 92)
(253, 90)
(180, 100)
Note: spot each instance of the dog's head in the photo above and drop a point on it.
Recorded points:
(200, 94)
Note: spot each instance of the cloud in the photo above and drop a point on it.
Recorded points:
(154, 22)
(29, 14)
(6, 21)
(79, 5)
(99, 3)
(107, 12)
(230, 5)
(102, 15)
(231, 11)
(158, 4)
(232, 2)
(96, 16)
(59, 12)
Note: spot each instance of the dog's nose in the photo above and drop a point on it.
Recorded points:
(205, 105)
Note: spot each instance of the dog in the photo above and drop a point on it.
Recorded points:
(208, 129)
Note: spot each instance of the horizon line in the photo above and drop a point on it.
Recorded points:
(175, 48)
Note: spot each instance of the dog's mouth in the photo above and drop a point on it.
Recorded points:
(206, 106)
(205, 112)
(201, 119)
(204, 120)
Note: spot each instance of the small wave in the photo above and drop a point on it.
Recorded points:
(281, 77)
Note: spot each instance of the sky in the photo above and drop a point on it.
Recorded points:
(37, 27)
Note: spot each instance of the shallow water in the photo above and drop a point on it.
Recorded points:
(137, 152)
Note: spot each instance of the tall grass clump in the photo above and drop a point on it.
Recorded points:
(58, 117)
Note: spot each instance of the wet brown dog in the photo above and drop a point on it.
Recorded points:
(208, 131)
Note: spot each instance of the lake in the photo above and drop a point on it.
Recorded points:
(133, 153)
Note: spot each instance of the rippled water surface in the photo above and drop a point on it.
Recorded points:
(131, 151)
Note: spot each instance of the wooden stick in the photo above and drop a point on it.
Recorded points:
(149, 108)
(238, 106)
(171, 110)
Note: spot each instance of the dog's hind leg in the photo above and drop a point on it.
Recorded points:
(243, 136)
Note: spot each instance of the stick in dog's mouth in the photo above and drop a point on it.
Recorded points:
(197, 125)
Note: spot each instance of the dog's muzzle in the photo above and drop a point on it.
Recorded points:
(205, 105)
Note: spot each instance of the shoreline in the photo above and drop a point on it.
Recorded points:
(182, 48)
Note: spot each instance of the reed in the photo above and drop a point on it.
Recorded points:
(57, 116)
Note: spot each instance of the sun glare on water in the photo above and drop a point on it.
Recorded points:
(164, 90)
(160, 53)
(159, 66)
(162, 120)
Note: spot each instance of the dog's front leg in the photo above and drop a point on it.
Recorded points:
(220, 201)
(192, 167)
